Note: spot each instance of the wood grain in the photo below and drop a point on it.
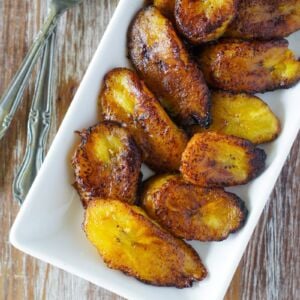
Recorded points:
(270, 267)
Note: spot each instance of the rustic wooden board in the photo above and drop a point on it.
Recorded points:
(270, 266)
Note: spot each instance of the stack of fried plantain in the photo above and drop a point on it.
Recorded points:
(237, 65)
(246, 19)
(149, 115)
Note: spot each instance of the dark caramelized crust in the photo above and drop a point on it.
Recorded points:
(129, 241)
(192, 212)
(216, 160)
(249, 66)
(202, 21)
(125, 98)
(162, 61)
(265, 19)
(107, 163)
(242, 115)
(166, 7)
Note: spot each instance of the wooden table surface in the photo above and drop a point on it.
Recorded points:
(270, 268)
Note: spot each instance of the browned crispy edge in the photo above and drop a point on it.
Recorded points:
(196, 32)
(274, 28)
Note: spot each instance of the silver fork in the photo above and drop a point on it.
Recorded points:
(39, 121)
(12, 97)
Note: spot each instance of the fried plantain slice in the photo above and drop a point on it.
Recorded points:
(166, 7)
(214, 160)
(162, 61)
(129, 241)
(242, 115)
(265, 19)
(192, 212)
(126, 99)
(203, 21)
(107, 163)
(249, 66)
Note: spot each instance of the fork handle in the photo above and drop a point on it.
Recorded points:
(11, 98)
(38, 124)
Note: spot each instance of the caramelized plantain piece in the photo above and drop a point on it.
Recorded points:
(203, 21)
(265, 19)
(249, 66)
(107, 163)
(129, 241)
(242, 115)
(162, 61)
(191, 212)
(214, 160)
(166, 7)
(125, 98)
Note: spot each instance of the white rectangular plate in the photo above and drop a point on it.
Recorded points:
(48, 225)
